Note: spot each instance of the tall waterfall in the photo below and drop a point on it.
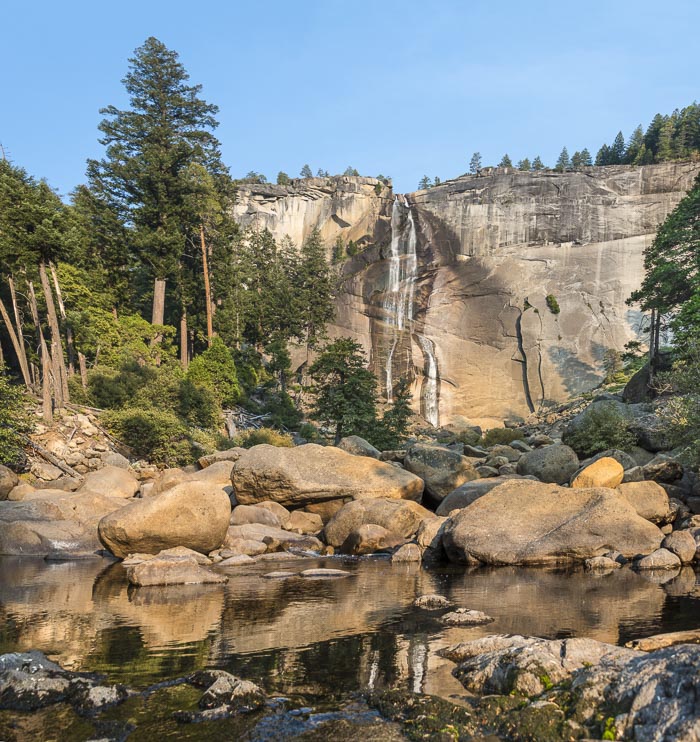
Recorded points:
(399, 308)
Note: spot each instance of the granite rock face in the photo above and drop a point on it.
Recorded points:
(489, 249)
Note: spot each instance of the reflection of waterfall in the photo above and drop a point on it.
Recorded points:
(399, 311)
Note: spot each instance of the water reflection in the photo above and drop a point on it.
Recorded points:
(317, 636)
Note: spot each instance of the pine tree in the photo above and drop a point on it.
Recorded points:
(525, 165)
(563, 162)
(424, 183)
(436, 181)
(351, 172)
(576, 160)
(617, 151)
(475, 163)
(306, 172)
(505, 161)
(394, 422)
(634, 145)
(603, 156)
(537, 164)
(283, 178)
(338, 250)
(586, 160)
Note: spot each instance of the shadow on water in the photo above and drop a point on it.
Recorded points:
(317, 636)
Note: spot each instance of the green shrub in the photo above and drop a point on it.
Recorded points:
(309, 432)
(500, 436)
(250, 438)
(553, 304)
(215, 370)
(15, 423)
(602, 427)
(282, 411)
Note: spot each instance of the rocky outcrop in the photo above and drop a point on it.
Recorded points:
(525, 522)
(490, 249)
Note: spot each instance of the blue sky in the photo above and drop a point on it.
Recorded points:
(398, 88)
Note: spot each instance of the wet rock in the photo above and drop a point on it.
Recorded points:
(682, 544)
(661, 641)
(312, 473)
(358, 447)
(177, 571)
(370, 538)
(407, 553)
(465, 617)
(192, 514)
(659, 559)
(552, 464)
(432, 602)
(320, 573)
(469, 492)
(525, 522)
(228, 690)
(401, 517)
(606, 472)
(442, 470)
(649, 499)
(8, 481)
(601, 564)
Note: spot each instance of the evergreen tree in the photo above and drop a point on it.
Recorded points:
(475, 163)
(344, 389)
(314, 289)
(394, 423)
(652, 134)
(283, 178)
(436, 181)
(563, 162)
(576, 160)
(537, 164)
(617, 151)
(603, 156)
(351, 172)
(505, 161)
(634, 145)
(306, 172)
(586, 160)
(525, 165)
(424, 183)
(338, 250)
(322, 173)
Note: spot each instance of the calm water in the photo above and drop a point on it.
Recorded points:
(316, 636)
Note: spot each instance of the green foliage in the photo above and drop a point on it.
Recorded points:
(524, 165)
(15, 423)
(309, 432)
(306, 172)
(283, 178)
(250, 438)
(537, 164)
(475, 163)
(603, 427)
(378, 189)
(500, 436)
(609, 730)
(215, 369)
(614, 367)
(563, 161)
(553, 304)
(391, 430)
(505, 161)
(282, 411)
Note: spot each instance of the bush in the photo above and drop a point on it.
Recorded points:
(309, 432)
(215, 370)
(553, 304)
(601, 428)
(282, 411)
(15, 424)
(250, 438)
(500, 436)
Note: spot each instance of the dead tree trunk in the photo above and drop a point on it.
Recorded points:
(56, 344)
(15, 344)
(83, 370)
(69, 329)
(184, 355)
(46, 361)
(24, 364)
(207, 285)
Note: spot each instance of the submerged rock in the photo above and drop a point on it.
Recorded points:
(432, 602)
(173, 571)
(466, 617)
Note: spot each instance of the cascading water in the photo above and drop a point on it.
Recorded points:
(399, 308)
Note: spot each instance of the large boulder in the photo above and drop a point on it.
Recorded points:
(682, 544)
(358, 447)
(401, 517)
(525, 522)
(218, 473)
(192, 514)
(171, 571)
(369, 539)
(605, 472)
(649, 499)
(469, 492)
(552, 464)
(113, 481)
(275, 539)
(442, 470)
(312, 473)
(8, 481)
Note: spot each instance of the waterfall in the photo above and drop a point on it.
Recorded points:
(399, 308)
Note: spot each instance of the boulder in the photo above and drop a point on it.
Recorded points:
(469, 492)
(113, 458)
(230, 454)
(275, 538)
(169, 571)
(663, 469)
(465, 617)
(312, 473)
(605, 472)
(231, 692)
(432, 602)
(659, 559)
(525, 522)
(401, 517)
(8, 481)
(114, 481)
(649, 499)
(326, 510)
(407, 553)
(279, 510)
(20, 492)
(601, 564)
(429, 533)
(442, 470)
(369, 539)
(682, 544)
(301, 522)
(243, 514)
(217, 473)
(358, 447)
(649, 429)
(237, 546)
(551, 464)
(192, 514)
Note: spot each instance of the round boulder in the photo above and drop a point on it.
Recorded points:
(8, 481)
(442, 470)
(605, 472)
(649, 499)
(682, 544)
(358, 447)
(551, 464)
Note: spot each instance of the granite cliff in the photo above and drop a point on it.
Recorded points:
(451, 284)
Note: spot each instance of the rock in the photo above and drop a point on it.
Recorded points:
(521, 446)
(358, 447)
(216, 474)
(113, 458)
(525, 522)
(635, 474)
(407, 553)
(192, 514)
(648, 498)
(661, 641)
(401, 517)
(275, 538)
(279, 575)
(113, 481)
(182, 552)
(44, 470)
(236, 561)
(313, 473)
(682, 544)
(243, 514)
(510, 453)
(179, 571)
(369, 539)
(20, 492)
(540, 439)
(230, 454)
(318, 573)
(465, 617)
(551, 464)
(662, 469)
(432, 602)
(605, 472)
(659, 559)
(601, 564)
(442, 470)
(429, 533)
(243, 546)
(8, 481)
(486, 471)
(279, 510)
(650, 431)
(301, 522)
(230, 691)
(326, 510)
(469, 492)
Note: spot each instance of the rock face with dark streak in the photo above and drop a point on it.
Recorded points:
(490, 250)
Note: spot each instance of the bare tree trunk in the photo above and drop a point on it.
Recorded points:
(184, 355)
(46, 362)
(24, 364)
(207, 285)
(652, 349)
(16, 345)
(69, 329)
(158, 314)
(56, 344)
(83, 370)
